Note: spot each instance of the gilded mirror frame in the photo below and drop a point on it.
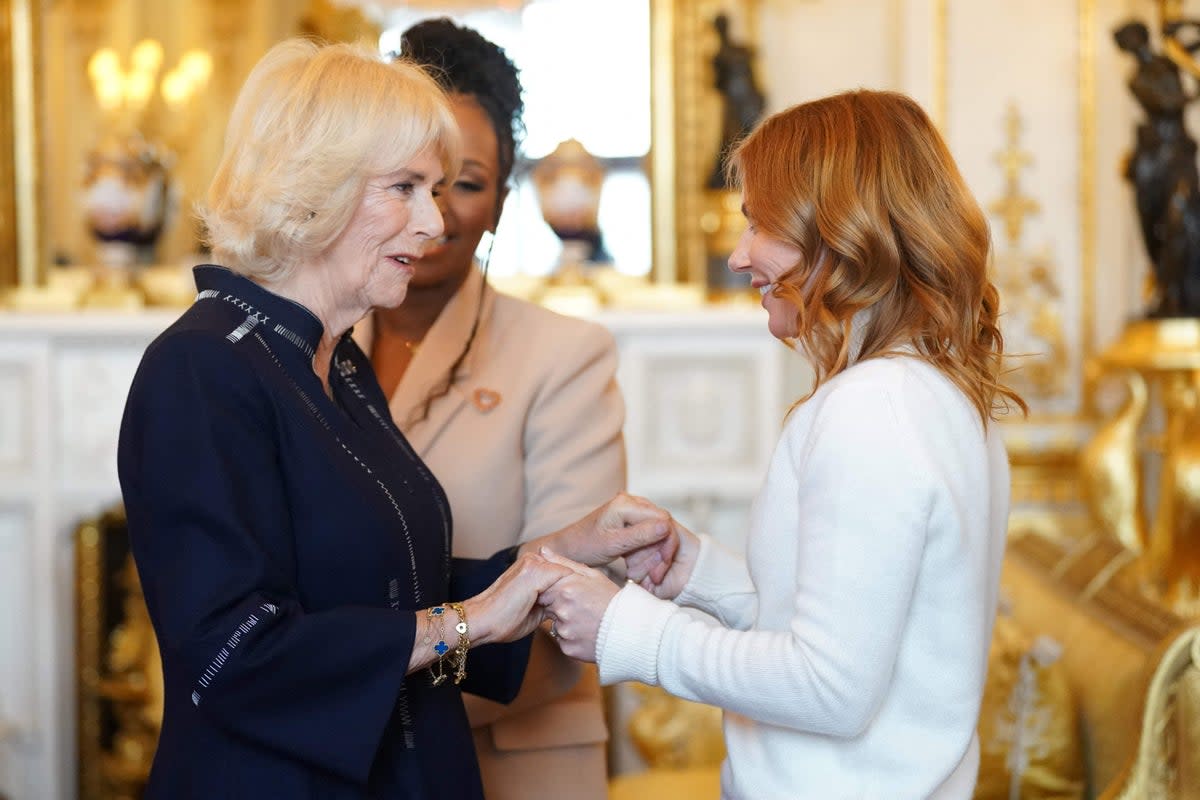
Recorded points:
(20, 248)
(684, 119)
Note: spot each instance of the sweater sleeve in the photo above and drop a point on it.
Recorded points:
(720, 585)
(211, 534)
(863, 500)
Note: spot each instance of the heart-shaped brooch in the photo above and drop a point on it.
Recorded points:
(486, 399)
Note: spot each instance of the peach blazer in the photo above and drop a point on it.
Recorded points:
(527, 440)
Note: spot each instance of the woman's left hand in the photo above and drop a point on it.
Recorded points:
(577, 603)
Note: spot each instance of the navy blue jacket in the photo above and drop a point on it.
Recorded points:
(283, 540)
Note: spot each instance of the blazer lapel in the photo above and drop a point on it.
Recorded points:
(430, 367)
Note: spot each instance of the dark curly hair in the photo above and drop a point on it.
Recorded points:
(464, 62)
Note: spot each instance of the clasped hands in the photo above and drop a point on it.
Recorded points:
(659, 554)
(555, 577)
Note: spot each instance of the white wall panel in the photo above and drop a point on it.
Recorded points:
(18, 736)
(91, 384)
(16, 418)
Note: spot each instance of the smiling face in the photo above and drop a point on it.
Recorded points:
(766, 260)
(376, 255)
(470, 206)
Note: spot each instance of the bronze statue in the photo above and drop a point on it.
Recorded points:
(742, 100)
(1163, 172)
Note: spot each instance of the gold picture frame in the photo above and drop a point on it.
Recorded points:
(684, 118)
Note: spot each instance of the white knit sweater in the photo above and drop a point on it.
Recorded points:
(852, 640)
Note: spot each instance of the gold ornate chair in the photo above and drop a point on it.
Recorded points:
(1167, 763)
(119, 670)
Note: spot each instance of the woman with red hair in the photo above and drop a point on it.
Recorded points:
(848, 646)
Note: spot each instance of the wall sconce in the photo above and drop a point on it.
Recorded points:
(125, 93)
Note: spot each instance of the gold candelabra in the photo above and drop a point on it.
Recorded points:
(125, 93)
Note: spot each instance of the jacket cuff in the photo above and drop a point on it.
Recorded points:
(630, 634)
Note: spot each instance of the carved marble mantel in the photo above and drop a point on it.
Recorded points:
(706, 391)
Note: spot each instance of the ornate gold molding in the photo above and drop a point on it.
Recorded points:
(8, 179)
(1087, 187)
(89, 645)
(662, 153)
(1033, 321)
(26, 148)
(20, 245)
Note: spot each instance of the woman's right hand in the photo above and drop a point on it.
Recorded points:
(664, 568)
(503, 612)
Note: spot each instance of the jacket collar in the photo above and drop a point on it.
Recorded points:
(288, 319)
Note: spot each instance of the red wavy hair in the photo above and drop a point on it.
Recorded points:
(862, 184)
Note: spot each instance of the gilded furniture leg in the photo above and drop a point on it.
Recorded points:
(1172, 564)
(1110, 469)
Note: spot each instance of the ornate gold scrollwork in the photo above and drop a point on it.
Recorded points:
(1033, 323)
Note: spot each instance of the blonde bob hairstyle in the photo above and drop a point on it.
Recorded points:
(864, 187)
(311, 125)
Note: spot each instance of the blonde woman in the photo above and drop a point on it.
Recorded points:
(294, 551)
(849, 644)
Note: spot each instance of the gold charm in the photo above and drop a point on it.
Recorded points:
(486, 399)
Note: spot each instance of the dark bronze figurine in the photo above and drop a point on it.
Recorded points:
(1163, 171)
(742, 100)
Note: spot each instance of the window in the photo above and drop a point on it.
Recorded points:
(585, 69)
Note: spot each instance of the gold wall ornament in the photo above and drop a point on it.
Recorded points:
(1110, 470)
(1033, 323)
(1013, 206)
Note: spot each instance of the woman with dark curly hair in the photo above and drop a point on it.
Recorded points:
(516, 409)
